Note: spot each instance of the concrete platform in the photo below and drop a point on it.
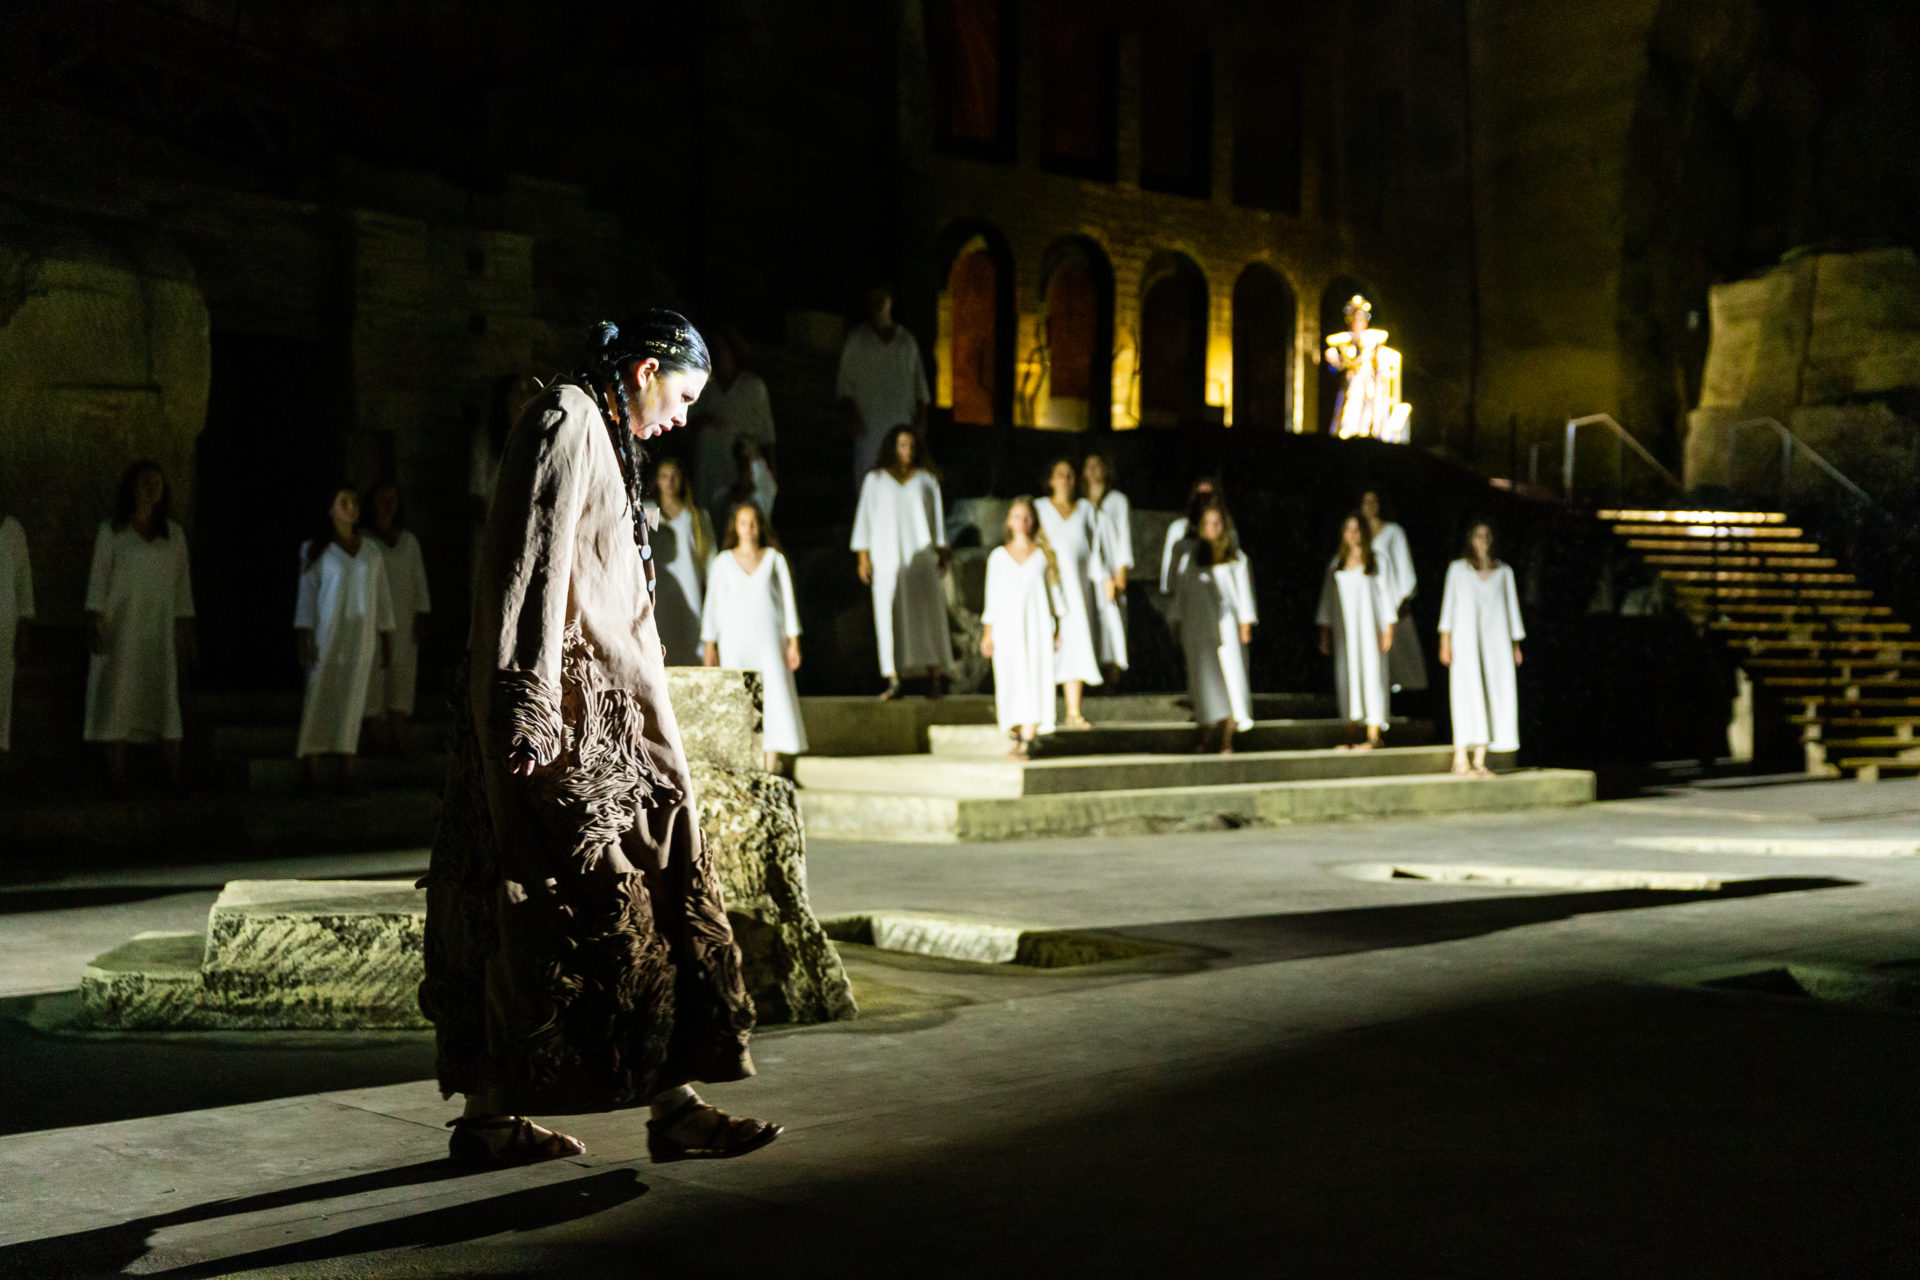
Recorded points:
(1163, 737)
(947, 818)
(977, 778)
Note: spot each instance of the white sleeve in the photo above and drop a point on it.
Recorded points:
(1122, 552)
(382, 595)
(182, 574)
(939, 509)
(1450, 598)
(715, 602)
(1329, 605)
(1175, 532)
(22, 575)
(1383, 600)
(417, 564)
(1244, 606)
(1097, 570)
(306, 606)
(863, 517)
(1404, 578)
(787, 602)
(989, 609)
(1514, 625)
(100, 576)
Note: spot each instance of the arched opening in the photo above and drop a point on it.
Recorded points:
(1333, 301)
(1173, 341)
(1076, 342)
(1263, 333)
(973, 341)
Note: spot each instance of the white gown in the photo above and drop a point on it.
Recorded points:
(140, 589)
(1358, 607)
(1211, 602)
(392, 688)
(16, 603)
(1113, 536)
(1078, 554)
(1482, 618)
(344, 601)
(1023, 609)
(1406, 662)
(902, 526)
(679, 584)
(750, 616)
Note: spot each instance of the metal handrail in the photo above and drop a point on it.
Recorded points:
(1621, 437)
(1788, 443)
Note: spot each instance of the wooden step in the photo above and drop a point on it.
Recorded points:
(1725, 546)
(1647, 515)
(1711, 532)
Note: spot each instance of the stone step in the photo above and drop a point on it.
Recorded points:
(1718, 546)
(285, 776)
(1755, 577)
(1784, 603)
(947, 819)
(1137, 737)
(1872, 769)
(1877, 683)
(1669, 518)
(849, 726)
(1711, 533)
(1840, 664)
(1848, 624)
(1735, 560)
(1164, 708)
(928, 775)
(1894, 743)
(1822, 722)
(238, 741)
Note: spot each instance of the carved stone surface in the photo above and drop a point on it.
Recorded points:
(752, 823)
(719, 714)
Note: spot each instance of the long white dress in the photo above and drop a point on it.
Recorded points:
(750, 616)
(140, 589)
(1211, 602)
(16, 604)
(391, 688)
(1113, 536)
(1406, 662)
(1176, 534)
(680, 582)
(1482, 618)
(901, 525)
(1077, 551)
(1358, 606)
(344, 601)
(1023, 609)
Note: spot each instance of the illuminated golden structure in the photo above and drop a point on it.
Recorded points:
(1370, 403)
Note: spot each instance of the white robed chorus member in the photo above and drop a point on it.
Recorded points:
(16, 610)
(391, 689)
(1480, 635)
(682, 548)
(734, 410)
(750, 623)
(1113, 539)
(1198, 495)
(1214, 613)
(1356, 626)
(1020, 627)
(139, 624)
(1070, 525)
(882, 382)
(900, 537)
(343, 621)
(1407, 664)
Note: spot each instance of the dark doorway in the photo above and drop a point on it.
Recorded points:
(973, 288)
(1173, 343)
(1263, 327)
(1077, 340)
(262, 465)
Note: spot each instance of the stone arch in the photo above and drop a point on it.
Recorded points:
(1333, 301)
(974, 326)
(1074, 352)
(1173, 340)
(1265, 316)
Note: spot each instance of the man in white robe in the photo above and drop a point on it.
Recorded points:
(882, 383)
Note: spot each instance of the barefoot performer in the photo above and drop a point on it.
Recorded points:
(578, 952)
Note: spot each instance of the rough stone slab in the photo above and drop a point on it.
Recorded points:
(976, 778)
(317, 954)
(1164, 737)
(719, 714)
(933, 819)
(150, 983)
(753, 828)
(869, 727)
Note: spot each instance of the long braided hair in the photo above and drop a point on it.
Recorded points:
(657, 334)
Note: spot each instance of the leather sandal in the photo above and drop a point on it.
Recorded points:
(725, 1138)
(521, 1147)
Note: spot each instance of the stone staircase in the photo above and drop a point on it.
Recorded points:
(1134, 772)
(1800, 625)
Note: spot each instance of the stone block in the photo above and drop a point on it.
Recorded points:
(753, 827)
(719, 714)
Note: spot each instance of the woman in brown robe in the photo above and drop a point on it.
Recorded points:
(578, 955)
